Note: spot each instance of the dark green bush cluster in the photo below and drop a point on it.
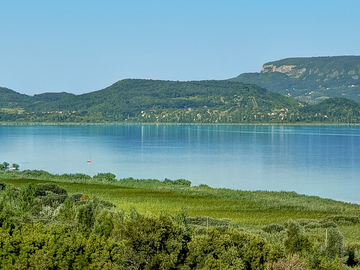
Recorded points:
(314, 223)
(49, 188)
(105, 177)
(179, 182)
(271, 228)
(344, 220)
(208, 222)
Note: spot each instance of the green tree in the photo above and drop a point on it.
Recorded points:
(85, 216)
(296, 240)
(335, 243)
(151, 243)
(4, 166)
(16, 166)
(26, 197)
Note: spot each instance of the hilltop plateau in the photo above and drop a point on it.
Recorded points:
(310, 80)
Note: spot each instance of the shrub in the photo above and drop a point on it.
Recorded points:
(103, 223)
(179, 182)
(37, 174)
(51, 200)
(2, 186)
(78, 177)
(200, 224)
(335, 243)
(216, 251)
(67, 210)
(344, 220)
(85, 216)
(44, 189)
(26, 197)
(296, 240)
(292, 262)
(273, 228)
(255, 252)
(151, 243)
(76, 197)
(105, 177)
(182, 182)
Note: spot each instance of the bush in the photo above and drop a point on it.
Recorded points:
(182, 182)
(37, 174)
(44, 189)
(292, 262)
(2, 186)
(85, 216)
(344, 220)
(105, 177)
(216, 251)
(26, 197)
(179, 182)
(208, 222)
(296, 240)
(335, 243)
(67, 210)
(76, 197)
(103, 223)
(51, 200)
(78, 177)
(271, 228)
(151, 243)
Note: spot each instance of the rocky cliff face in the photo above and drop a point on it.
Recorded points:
(290, 70)
(310, 79)
(337, 66)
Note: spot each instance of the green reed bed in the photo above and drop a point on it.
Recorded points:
(245, 207)
(248, 209)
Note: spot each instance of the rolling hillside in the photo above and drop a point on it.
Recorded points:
(152, 101)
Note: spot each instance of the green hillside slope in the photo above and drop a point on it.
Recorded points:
(310, 79)
(157, 101)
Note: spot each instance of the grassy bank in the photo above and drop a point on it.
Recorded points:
(249, 209)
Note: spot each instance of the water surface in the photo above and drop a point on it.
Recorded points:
(313, 160)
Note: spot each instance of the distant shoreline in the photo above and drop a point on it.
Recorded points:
(174, 124)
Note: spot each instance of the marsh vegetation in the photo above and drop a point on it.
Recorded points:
(74, 221)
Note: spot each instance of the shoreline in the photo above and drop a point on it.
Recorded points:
(172, 124)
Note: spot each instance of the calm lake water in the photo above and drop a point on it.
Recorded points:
(312, 160)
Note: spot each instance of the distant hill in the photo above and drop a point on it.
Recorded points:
(152, 101)
(155, 101)
(310, 80)
(10, 98)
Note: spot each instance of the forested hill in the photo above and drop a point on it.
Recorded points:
(311, 80)
(150, 101)
(156, 101)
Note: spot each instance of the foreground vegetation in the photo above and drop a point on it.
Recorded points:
(74, 221)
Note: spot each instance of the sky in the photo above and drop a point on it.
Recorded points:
(80, 46)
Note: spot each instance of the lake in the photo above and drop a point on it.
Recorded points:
(313, 160)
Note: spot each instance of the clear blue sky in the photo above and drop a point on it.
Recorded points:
(81, 46)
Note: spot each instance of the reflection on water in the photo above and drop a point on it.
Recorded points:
(314, 160)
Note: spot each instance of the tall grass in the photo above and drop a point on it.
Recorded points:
(250, 209)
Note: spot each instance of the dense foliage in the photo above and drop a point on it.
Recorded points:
(311, 79)
(42, 226)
